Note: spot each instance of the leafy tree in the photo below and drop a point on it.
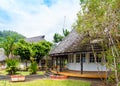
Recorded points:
(58, 37)
(65, 32)
(23, 49)
(33, 67)
(7, 40)
(36, 50)
(40, 49)
(101, 19)
(8, 44)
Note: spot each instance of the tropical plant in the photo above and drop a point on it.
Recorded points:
(33, 67)
(8, 44)
(58, 37)
(65, 32)
(12, 66)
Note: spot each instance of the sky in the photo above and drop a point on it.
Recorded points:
(38, 17)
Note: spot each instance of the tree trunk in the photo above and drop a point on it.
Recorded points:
(26, 64)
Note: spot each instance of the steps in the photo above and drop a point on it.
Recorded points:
(47, 74)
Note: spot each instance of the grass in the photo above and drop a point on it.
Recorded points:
(47, 82)
(3, 72)
(42, 82)
(28, 73)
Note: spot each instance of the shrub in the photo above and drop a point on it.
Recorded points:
(33, 67)
(12, 66)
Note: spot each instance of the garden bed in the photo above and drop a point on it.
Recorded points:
(16, 78)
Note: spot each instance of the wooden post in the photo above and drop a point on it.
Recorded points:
(56, 63)
(60, 64)
(52, 63)
(81, 65)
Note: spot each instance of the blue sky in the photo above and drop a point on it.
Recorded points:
(38, 17)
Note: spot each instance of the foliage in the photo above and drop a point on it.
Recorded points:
(23, 49)
(7, 40)
(96, 15)
(4, 34)
(33, 67)
(58, 37)
(40, 49)
(102, 17)
(8, 44)
(65, 32)
(36, 50)
(11, 66)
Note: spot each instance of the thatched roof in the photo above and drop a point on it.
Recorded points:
(68, 43)
(2, 55)
(35, 39)
(73, 43)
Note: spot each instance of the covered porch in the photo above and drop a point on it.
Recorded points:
(78, 65)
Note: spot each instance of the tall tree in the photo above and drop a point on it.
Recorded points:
(101, 19)
(23, 49)
(58, 37)
(65, 32)
(8, 44)
(40, 49)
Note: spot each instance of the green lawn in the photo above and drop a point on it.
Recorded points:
(3, 72)
(47, 82)
(28, 73)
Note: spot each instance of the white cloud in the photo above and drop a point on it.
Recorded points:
(33, 20)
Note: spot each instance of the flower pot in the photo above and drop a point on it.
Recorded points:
(17, 78)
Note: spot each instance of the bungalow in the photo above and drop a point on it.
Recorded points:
(75, 55)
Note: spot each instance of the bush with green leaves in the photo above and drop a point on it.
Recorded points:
(12, 65)
(33, 67)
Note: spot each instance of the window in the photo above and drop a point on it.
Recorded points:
(91, 58)
(71, 58)
(98, 57)
(83, 56)
(77, 58)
